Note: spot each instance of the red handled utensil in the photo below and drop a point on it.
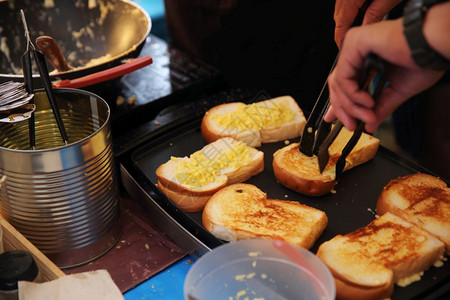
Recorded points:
(129, 66)
(50, 48)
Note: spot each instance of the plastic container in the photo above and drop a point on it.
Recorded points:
(259, 269)
(15, 265)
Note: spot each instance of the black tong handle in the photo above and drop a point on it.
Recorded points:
(43, 72)
(309, 132)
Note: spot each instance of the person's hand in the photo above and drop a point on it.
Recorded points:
(346, 10)
(405, 78)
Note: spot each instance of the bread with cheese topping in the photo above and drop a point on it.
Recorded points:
(242, 211)
(301, 173)
(367, 262)
(267, 121)
(190, 181)
(421, 199)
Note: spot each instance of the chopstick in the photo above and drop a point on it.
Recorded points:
(43, 72)
(28, 80)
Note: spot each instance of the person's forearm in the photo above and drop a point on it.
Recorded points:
(436, 28)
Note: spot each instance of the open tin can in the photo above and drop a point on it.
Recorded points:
(62, 198)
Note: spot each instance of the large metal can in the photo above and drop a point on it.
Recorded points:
(63, 198)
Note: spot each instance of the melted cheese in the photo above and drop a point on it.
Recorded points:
(202, 169)
(439, 263)
(408, 280)
(255, 116)
(330, 172)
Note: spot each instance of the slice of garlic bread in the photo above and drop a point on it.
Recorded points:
(421, 199)
(190, 181)
(267, 121)
(386, 251)
(242, 211)
(301, 173)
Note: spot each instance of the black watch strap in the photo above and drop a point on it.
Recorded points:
(423, 55)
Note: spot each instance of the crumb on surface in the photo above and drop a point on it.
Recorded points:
(131, 100)
(120, 101)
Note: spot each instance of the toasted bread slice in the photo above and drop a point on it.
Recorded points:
(190, 181)
(267, 121)
(421, 199)
(242, 211)
(386, 251)
(301, 173)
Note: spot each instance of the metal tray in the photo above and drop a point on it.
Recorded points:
(351, 207)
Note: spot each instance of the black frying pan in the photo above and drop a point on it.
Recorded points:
(110, 31)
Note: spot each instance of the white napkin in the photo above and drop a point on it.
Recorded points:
(95, 285)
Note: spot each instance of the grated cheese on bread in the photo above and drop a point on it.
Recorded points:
(267, 121)
(242, 211)
(190, 181)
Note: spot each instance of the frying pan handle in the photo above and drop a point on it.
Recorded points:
(105, 75)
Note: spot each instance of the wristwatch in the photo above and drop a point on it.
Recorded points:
(422, 53)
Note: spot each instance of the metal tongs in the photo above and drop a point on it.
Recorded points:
(43, 72)
(318, 141)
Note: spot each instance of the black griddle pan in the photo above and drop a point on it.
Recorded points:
(351, 207)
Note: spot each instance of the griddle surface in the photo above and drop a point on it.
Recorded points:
(351, 207)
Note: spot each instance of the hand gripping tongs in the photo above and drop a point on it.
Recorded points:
(318, 141)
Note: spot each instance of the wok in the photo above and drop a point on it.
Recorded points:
(94, 35)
